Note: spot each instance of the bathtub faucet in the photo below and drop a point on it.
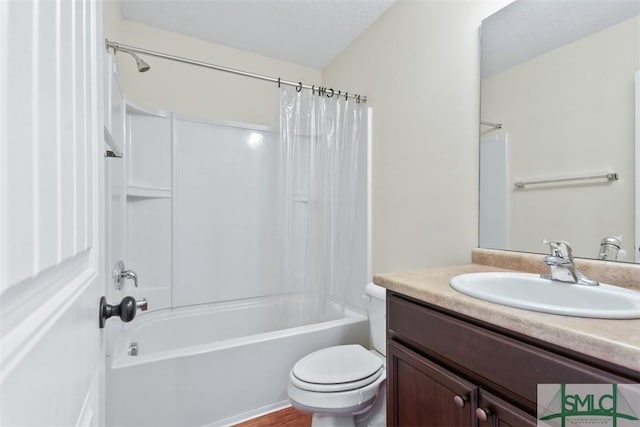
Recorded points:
(120, 274)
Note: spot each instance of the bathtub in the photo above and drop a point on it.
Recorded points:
(214, 365)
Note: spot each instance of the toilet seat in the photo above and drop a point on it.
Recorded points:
(337, 369)
(341, 402)
(332, 388)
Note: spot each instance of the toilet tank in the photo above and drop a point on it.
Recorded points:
(377, 316)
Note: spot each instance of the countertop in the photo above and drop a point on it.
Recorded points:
(615, 341)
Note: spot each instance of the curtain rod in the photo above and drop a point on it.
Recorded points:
(298, 85)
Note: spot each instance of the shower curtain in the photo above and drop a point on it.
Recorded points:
(322, 149)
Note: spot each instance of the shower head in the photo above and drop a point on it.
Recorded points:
(140, 63)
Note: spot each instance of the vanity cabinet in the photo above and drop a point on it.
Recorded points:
(447, 370)
(426, 394)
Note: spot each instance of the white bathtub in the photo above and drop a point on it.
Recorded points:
(214, 365)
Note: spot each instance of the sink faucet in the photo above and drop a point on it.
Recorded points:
(561, 265)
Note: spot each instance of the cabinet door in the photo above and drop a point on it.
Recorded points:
(495, 412)
(422, 393)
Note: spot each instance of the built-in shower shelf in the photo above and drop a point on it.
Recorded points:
(148, 192)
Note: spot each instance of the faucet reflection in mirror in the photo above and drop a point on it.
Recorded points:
(611, 249)
(560, 78)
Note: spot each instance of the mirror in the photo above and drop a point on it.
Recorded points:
(561, 78)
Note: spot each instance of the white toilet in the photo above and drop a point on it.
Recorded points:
(345, 385)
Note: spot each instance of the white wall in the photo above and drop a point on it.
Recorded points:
(196, 91)
(570, 112)
(419, 67)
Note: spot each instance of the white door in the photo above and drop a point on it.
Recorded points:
(51, 212)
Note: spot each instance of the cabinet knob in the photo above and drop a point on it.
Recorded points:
(482, 414)
(459, 401)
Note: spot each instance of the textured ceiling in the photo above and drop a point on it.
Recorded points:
(305, 32)
(528, 28)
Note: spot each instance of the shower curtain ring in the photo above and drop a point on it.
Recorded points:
(278, 82)
(331, 95)
(299, 87)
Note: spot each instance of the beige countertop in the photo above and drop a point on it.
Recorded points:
(615, 341)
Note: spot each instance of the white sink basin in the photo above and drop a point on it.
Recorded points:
(531, 292)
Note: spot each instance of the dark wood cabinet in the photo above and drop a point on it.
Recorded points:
(422, 393)
(425, 393)
(495, 412)
(447, 370)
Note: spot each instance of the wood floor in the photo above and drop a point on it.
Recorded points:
(284, 417)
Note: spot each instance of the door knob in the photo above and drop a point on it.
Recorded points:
(126, 310)
(120, 274)
(142, 305)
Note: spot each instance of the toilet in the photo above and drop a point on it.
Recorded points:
(345, 385)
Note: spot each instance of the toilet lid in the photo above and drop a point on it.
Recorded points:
(338, 365)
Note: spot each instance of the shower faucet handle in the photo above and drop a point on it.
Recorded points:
(130, 274)
(120, 275)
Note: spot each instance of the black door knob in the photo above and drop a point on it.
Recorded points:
(126, 310)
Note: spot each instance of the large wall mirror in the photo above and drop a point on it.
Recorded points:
(560, 124)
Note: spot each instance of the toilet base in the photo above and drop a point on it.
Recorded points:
(372, 415)
(321, 420)
(376, 414)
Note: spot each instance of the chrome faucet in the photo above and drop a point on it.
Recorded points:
(120, 275)
(561, 265)
(611, 248)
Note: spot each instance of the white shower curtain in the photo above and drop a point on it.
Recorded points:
(322, 149)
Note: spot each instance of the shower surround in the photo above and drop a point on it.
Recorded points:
(217, 219)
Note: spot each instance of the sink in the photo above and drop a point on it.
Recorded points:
(531, 292)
